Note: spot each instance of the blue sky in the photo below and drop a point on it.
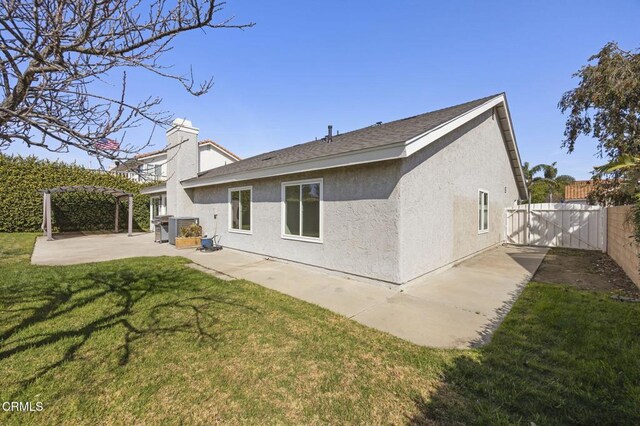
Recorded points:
(308, 64)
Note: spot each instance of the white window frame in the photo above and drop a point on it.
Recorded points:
(230, 211)
(480, 208)
(283, 211)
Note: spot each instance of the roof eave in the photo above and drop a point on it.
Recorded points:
(510, 138)
(156, 189)
(385, 152)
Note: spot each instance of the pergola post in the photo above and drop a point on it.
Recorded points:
(130, 215)
(116, 227)
(47, 214)
(44, 214)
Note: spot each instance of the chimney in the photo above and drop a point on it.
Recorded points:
(183, 161)
(330, 133)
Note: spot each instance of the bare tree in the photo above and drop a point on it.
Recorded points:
(55, 54)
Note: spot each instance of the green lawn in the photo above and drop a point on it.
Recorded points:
(147, 341)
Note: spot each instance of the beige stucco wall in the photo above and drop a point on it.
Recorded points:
(439, 196)
(211, 157)
(620, 242)
(360, 220)
(391, 220)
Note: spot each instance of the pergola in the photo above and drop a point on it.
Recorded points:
(117, 193)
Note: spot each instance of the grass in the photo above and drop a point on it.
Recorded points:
(150, 341)
(562, 356)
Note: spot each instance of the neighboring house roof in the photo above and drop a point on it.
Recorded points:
(150, 154)
(201, 143)
(578, 190)
(396, 139)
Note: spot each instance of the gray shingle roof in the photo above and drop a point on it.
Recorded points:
(369, 137)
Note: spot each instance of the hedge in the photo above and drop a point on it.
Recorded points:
(21, 180)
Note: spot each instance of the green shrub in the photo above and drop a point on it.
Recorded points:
(23, 178)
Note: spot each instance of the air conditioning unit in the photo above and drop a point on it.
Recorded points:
(177, 223)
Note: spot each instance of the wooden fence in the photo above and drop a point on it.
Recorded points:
(557, 225)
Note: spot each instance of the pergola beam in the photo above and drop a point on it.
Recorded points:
(88, 188)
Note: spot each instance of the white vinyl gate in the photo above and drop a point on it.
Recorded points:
(557, 225)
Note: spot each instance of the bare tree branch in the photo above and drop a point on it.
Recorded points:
(53, 53)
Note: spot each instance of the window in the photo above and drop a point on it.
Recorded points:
(302, 210)
(483, 211)
(157, 172)
(240, 210)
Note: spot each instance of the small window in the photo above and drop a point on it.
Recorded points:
(483, 211)
(302, 210)
(240, 210)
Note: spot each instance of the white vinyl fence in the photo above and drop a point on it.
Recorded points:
(557, 225)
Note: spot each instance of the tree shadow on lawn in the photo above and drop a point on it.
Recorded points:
(69, 305)
(563, 356)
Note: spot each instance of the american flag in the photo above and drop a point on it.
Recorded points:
(108, 144)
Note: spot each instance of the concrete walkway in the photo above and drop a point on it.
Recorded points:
(457, 307)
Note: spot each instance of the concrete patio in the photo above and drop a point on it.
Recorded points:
(456, 307)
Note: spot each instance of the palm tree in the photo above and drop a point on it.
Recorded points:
(530, 172)
(621, 163)
(549, 177)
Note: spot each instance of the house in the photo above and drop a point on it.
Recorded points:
(391, 201)
(152, 166)
(578, 191)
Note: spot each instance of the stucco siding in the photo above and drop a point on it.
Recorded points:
(439, 196)
(210, 158)
(360, 220)
(392, 220)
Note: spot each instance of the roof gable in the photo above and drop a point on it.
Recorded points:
(220, 148)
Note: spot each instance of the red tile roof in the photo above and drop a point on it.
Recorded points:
(150, 153)
(578, 190)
